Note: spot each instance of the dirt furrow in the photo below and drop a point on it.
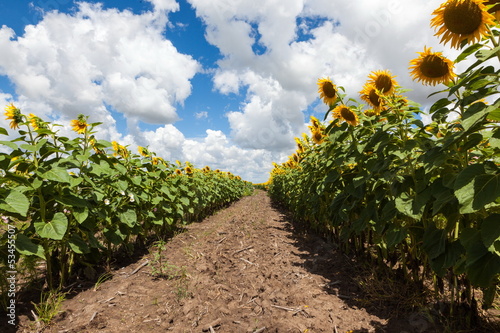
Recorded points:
(244, 269)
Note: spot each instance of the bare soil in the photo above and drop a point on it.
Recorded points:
(247, 268)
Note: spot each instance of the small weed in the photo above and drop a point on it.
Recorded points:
(49, 306)
(102, 278)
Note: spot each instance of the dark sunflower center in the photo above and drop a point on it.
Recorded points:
(462, 17)
(347, 114)
(374, 98)
(383, 83)
(433, 66)
(329, 90)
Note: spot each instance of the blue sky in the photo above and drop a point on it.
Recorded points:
(215, 82)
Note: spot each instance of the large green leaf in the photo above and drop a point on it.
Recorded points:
(78, 245)
(490, 230)
(9, 144)
(129, 217)
(55, 229)
(482, 272)
(15, 202)
(25, 246)
(80, 214)
(114, 236)
(434, 242)
(474, 188)
(57, 174)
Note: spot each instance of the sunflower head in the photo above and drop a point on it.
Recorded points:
(36, 122)
(457, 21)
(345, 113)
(188, 170)
(14, 115)
(80, 124)
(383, 81)
(431, 68)
(317, 136)
(178, 172)
(143, 151)
(370, 95)
(327, 91)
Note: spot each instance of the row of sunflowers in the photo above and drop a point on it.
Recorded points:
(75, 202)
(422, 198)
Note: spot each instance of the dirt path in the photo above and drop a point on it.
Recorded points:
(244, 269)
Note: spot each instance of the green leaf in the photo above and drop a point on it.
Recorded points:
(185, 201)
(57, 174)
(3, 131)
(25, 246)
(494, 115)
(114, 236)
(486, 190)
(9, 144)
(129, 217)
(80, 214)
(490, 230)
(434, 242)
(55, 229)
(15, 202)
(395, 234)
(468, 51)
(121, 169)
(78, 245)
(482, 272)
(474, 188)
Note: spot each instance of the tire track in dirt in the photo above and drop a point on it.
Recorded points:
(244, 269)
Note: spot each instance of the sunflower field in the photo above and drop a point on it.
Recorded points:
(75, 202)
(420, 198)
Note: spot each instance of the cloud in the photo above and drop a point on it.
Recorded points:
(80, 62)
(277, 51)
(99, 62)
(201, 115)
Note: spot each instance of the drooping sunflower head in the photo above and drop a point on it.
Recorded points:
(80, 124)
(14, 115)
(317, 136)
(383, 81)
(36, 122)
(431, 68)
(327, 90)
(345, 113)
(143, 151)
(461, 20)
(369, 94)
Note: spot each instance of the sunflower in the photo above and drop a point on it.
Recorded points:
(143, 151)
(327, 90)
(461, 20)
(383, 81)
(14, 114)
(369, 94)
(79, 125)
(431, 68)
(345, 113)
(36, 122)
(178, 172)
(317, 136)
(188, 170)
